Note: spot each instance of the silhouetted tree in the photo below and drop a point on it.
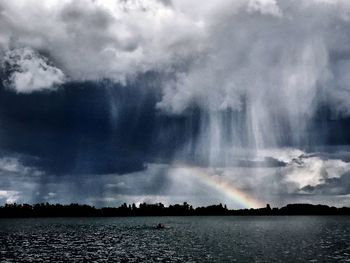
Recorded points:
(158, 209)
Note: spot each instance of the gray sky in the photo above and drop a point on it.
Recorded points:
(239, 102)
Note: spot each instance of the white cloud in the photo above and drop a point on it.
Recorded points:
(12, 165)
(313, 170)
(18, 182)
(9, 196)
(266, 51)
(28, 71)
(269, 7)
(92, 40)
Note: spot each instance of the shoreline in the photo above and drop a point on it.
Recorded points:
(46, 210)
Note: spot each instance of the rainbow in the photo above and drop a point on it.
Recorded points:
(223, 186)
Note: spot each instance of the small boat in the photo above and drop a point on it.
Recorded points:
(160, 226)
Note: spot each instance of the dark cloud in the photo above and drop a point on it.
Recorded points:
(330, 186)
(76, 14)
(267, 162)
(105, 98)
(72, 131)
(101, 128)
(166, 2)
(338, 151)
(95, 128)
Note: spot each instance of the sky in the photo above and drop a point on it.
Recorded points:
(240, 102)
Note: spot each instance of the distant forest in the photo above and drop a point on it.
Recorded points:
(77, 210)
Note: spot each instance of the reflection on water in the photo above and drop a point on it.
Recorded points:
(184, 239)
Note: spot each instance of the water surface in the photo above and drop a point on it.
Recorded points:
(185, 239)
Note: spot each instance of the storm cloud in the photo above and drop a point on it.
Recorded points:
(117, 96)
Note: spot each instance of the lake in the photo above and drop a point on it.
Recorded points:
(184, 239)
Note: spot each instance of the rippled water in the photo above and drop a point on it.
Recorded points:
(185, 239)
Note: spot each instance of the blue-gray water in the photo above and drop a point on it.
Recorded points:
(185, 239)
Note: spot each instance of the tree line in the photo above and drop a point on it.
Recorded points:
(159, 209)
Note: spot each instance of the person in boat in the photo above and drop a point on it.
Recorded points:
(160, 226)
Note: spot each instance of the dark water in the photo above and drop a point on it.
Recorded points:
(185, 239)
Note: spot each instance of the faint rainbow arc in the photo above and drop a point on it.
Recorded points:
(214, 181)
